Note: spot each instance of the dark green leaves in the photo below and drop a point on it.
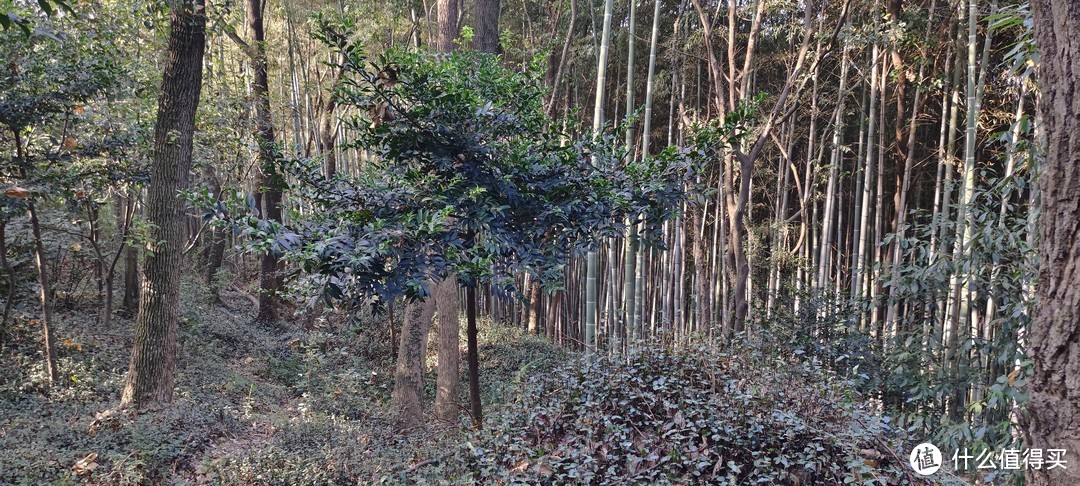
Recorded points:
(465, 176)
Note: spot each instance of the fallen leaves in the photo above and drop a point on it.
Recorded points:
(16, 192)
(71, 345)
(86, 465)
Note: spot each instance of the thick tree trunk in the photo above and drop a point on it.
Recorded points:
(449, 30)
(408, 391)
(153, 359)
(448, 382)
(487, 25)
(1055, 330)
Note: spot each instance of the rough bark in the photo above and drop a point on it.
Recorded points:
(448, 382)
(153, 359)
(449, 29)
(1054, 408)
(487, 25)
(408, 391)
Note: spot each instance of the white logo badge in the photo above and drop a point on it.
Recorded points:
(925, 459)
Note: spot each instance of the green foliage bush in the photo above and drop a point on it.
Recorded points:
(692, 415)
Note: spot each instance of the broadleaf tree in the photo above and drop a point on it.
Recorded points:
(464, 177)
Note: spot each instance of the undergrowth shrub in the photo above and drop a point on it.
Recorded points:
(692, 415)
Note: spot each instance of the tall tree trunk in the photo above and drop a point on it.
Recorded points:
(153, 359)
(598, 122)
(270, 180)
(835, 160)
(1055, 329)
(448, 379)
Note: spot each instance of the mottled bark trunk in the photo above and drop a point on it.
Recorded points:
(1055, 331)
(408, 391)
(153, 359)
(448, 382)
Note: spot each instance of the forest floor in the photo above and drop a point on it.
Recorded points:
(308, 403)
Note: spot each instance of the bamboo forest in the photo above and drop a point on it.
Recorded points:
(797, 242)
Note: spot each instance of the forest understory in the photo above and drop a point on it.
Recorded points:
(311, 405)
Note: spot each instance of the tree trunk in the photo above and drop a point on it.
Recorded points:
(129, 306)
(10, 272)
(473, 357)
(448, 381)
(408, 391)
(535, 294)
(45, 293)
(552, 314)
(1055, 329)
(591, 266)
(449, 30)
(215, 251)
(487, 26)
(153, 359)
(269, 180)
